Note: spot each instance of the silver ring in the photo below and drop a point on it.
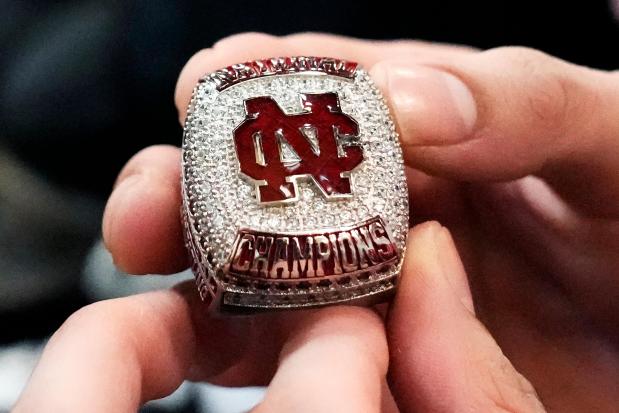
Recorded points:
(293, 187)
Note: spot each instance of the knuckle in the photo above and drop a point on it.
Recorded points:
(547, 99)
(186, 79)
(93, 320)
(552, 90)
(523, 56)
(90, 314)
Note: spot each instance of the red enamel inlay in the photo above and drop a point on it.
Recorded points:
(323, 113)
(364, 247)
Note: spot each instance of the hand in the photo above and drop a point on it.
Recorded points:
(517, 153)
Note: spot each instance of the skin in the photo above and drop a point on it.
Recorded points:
(510, 304)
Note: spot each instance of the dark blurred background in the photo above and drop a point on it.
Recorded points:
(85, 84)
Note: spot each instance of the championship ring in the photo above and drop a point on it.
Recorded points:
(294, 194)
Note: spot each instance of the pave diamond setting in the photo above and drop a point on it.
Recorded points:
(219, 203)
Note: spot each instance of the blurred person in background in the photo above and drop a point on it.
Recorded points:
(524, 147)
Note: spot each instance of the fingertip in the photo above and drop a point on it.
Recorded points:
(144, 233)
(432, 269)
(141, 224)
(109, 221)
(421, 237)
(187, 80)
(423, 230)
(162, 160)
(422, 276)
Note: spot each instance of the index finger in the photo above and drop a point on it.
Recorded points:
(115, 355)
(334, 360)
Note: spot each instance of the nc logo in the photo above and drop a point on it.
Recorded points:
(276, 149)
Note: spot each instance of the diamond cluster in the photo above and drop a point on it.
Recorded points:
(218, 200)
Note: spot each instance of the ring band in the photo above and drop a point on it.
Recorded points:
(293, 187)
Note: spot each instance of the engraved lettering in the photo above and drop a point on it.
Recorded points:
(362, 248)
(348, 251)
(337, 267)
(302, 260)
(280, 260)
(259, 267)
(323, 253)
(363, 242)
(384, 245)
(244, 252)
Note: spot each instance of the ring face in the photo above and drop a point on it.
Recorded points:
(293, 182)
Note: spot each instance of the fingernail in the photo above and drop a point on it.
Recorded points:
(452, 268)
(120, 187)
(431, 106)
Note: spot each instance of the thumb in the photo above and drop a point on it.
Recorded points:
(510, 112)
(442, 357)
